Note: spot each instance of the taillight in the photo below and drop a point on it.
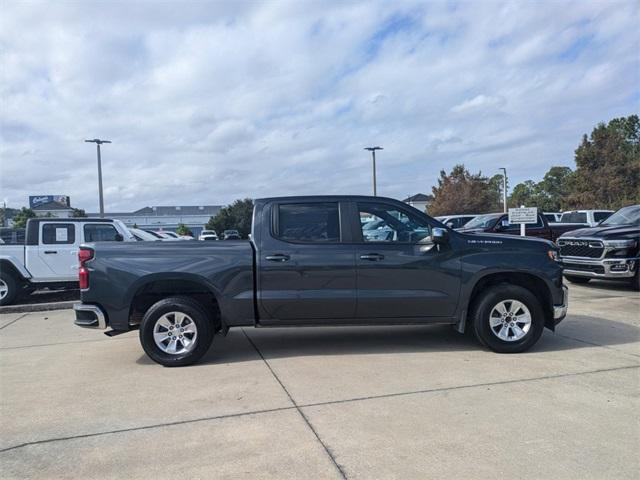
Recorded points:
(84, 255)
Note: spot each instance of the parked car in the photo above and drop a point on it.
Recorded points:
(590, 217)
(208, 235)
(608, 251)
(552, 217)
(456, 221)
(48, 256)
(166, 235)
(144, 236)
(309, 263)
(499, 223)
(231, 235)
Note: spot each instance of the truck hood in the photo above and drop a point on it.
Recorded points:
(477, 238)
(605, 231)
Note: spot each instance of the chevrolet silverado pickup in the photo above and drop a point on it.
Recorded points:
(609, 251)
(48, 254)
(309, 263)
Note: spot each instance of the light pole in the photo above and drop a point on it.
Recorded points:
(504, 188)
(373, 154)
(99, 142)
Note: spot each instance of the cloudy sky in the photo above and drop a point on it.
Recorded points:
(206, 102)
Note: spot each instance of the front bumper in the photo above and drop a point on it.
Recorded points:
(89, 316)
(560, 311)
(600, 268)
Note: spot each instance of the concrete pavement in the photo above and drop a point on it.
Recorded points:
(357, 403)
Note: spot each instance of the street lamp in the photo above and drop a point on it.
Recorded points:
(99, 142)
(504, 188)
(373, 154)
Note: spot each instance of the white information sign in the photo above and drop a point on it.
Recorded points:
(61, 235)
(523, 215)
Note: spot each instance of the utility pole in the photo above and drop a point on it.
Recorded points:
(99, 142)
(373, 154)
(504, 188)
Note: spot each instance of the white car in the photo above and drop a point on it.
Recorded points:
(167, 235)
(208, 235)
(590, 217)
(143, 236)
(552, 217)
(48, 258)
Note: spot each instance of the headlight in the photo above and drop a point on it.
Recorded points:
(620, 243)
(553, 255)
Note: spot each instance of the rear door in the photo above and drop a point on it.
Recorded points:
(56, 259)
(306, 267)
(401, 275)
(100, 232)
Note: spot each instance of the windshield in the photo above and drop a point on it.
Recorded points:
(573, 217)
(483, 221)
(625, 216)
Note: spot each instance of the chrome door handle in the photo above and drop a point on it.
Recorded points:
(277, 258)
(372, 257)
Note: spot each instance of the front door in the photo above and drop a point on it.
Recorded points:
(401, 274)
(306, 270)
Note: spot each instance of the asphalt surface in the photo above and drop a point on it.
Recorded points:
(314, 403)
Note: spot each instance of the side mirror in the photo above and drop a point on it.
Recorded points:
(439, 236)
(119, 237)
(449, 224)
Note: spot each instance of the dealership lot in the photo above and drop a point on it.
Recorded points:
(374, 402)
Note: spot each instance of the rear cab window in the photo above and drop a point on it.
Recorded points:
(312, 222)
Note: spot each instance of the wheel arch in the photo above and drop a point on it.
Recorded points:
(152, 288)
(534, 283)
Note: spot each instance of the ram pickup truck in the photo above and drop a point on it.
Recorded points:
(308, 263)
(499, 223)
(609, 251)
(48, 256)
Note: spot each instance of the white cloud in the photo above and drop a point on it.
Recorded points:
(206, 102)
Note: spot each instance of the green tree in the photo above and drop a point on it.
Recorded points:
(555, 187)
(526, 193)
(463, 192)
(236, 216)
(20, 219)
(78, 213)
(183, 230)
(608, 166)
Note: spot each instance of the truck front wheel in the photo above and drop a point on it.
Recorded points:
(508, 319)
(176, 331)
(8, 288)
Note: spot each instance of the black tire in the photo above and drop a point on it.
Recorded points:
(483, 308)
(12, 286)
(195, 311)
(577, 279)
(635, 281)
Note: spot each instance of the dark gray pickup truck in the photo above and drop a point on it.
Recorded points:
(321, 261)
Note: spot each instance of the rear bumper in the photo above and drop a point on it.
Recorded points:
(89, 316)
(560, 311)
(600, 268)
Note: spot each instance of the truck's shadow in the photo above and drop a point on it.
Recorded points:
(576, 332)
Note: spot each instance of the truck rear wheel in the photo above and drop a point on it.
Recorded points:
(8, 288)
(508, 319)
(577, 279)
(176, 331)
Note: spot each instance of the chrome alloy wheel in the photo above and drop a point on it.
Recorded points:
(4, 289)
(510, 320)
(175, 333)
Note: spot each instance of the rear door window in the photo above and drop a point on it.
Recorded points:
(58, 234)
(308, 222)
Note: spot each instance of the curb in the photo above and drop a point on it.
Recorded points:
(38, 307)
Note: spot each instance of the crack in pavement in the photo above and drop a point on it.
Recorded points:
(317, 404)
(304, 417)
(14, 321)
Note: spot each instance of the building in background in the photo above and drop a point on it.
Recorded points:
(419, 201)
(166, 218)
(51, 206)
